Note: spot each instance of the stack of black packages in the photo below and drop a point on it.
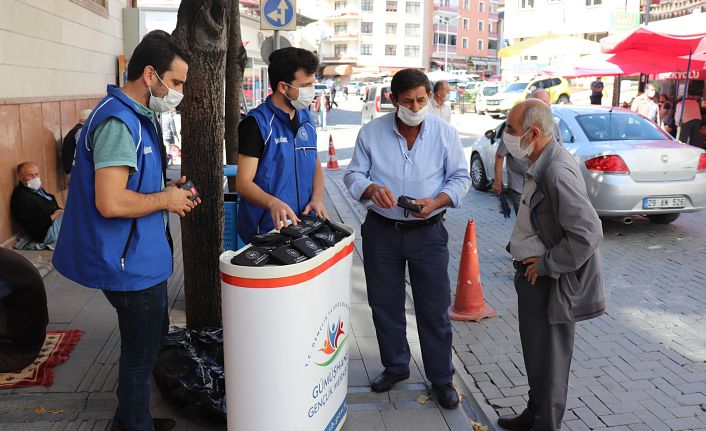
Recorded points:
(293, 244)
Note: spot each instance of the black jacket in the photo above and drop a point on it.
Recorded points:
(23, 313)
(68, 148)
(32, 211)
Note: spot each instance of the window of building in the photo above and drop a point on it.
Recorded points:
(340, 4)
(480, 44)
(411, 29)
(340, 28)
(390, 28)
(412, 7)
(98, 6)
(340, 50)
(411, 50)
(441, 39)
(593, 2)
(480, 26)
(446, 3)
(366, 49)
(366, 27)
(492, 44)
(490, 27)
(390, 49)
(466, 4)
(527, 4)
(464, 42)
(391, 6)
(466, 23)
(366, 5)
(529, 58)
(481, 6)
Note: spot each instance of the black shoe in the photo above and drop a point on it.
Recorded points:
(160, 424)
(385, 381)
(447, 395)
(522, 422)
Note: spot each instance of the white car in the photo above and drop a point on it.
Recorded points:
(630, 165)
(486, 91)
(377, 103)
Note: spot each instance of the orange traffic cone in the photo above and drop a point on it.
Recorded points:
(332, 162)
(469, 304)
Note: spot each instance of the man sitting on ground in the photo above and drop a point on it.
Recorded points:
(36, 211)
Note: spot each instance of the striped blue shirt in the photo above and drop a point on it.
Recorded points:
(435, 164)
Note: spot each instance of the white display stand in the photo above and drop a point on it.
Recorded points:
(286, 331)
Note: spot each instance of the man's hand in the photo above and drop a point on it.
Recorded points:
(429, 205)
(280, 212)
(55, 215)
(318, 207)
(531, 271)
(383, 197)
(497, 186)
(178, 200)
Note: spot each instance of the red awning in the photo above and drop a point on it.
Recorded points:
(626, 62)
(647, 40)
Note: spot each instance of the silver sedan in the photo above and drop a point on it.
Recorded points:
(631, 167)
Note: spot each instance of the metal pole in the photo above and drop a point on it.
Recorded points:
(276, 40)
(647, 12)
(446, 55)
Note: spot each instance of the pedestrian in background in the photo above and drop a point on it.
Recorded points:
(690, 122)
(596, 91)
(408, 152)
(439, 102)
(558, 278)
(645, 105)
(68, 146)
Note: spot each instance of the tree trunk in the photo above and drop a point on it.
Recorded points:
(236, 61)
(202, 31)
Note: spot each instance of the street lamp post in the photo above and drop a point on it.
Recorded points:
(446, 54)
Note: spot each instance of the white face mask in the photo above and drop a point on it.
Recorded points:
(514, 146)
(34, 183)
(306, 97)
(410, 117)
(166, 103)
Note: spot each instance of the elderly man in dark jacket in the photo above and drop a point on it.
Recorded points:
(559, 279)
(36, 211)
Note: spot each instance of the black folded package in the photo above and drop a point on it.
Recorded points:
(307, 246)
(325, 236)
(252, 256)
(312, 220)
(287, 255)
(337, 230)
(270, 240)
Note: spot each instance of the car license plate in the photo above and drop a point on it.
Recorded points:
(669, 202)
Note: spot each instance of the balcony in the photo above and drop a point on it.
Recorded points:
(342, 15)
(344, 37)
(441, 49)
(493, 35)
(441, 28)
(493, 16)
(446, 11)
(492, 53)
(343, 58)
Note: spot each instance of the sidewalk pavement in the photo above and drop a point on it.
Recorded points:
(83, 394)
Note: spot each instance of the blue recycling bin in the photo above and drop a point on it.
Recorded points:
(231, 240)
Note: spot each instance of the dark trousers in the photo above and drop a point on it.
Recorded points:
(596, 100)
(143, 322)
(424, 251)
(689, 131)
(547, 350)
(515, 198)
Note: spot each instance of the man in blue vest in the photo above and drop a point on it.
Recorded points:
(114, 235)
(278, 167)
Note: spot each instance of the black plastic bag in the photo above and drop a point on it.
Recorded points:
(189, 372)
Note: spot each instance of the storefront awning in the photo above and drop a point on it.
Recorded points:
(339, 70)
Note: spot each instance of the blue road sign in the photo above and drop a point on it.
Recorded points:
(278, 15)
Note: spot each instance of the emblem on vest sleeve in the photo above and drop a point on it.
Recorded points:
(302, 134)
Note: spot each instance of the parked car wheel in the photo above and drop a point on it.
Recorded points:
(563, 100)
(479, 179)
(663, 218)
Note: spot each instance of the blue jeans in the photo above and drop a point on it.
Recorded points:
(53, 232)
(143, 321)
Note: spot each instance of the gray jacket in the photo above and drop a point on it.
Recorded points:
(569, 227)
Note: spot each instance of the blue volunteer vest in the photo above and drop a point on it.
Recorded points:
(118, 253)
(286, 168)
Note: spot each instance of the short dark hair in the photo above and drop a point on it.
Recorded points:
(285, 62)
(439, 85)
(407, 79)
(157, 49)
(22, 165)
